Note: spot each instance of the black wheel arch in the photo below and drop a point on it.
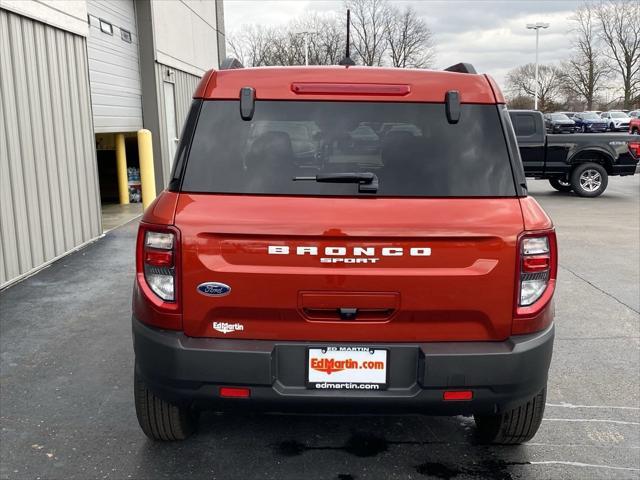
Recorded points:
(595, 155)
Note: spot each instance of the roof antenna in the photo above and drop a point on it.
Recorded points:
(347, 58)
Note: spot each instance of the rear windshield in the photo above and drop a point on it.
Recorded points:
(410, 147)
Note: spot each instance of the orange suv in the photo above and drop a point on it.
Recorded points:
(345, 239)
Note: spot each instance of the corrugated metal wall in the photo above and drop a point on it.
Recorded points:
(49, 199)
(185, 85)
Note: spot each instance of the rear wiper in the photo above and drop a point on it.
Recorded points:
(367, 181)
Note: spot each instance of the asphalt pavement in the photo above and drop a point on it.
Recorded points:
(66, 368)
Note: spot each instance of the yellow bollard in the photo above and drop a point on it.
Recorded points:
(147, 175)
(121, 163)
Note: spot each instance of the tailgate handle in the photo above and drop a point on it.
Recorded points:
(348, 306)
(348, 313)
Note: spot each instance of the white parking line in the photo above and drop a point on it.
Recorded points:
(603, 407)
(587, 465)
(597, 420)
(580, 445)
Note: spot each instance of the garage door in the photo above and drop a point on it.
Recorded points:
(114, 69)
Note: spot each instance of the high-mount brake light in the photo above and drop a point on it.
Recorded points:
(159, 268)
(382, 89)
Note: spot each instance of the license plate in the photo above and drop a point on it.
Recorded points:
(347, 368)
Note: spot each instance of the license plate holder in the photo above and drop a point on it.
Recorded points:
(347, 368)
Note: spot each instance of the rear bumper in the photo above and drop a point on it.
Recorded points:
(184, 369)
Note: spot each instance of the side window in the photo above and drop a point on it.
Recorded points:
(525, 125)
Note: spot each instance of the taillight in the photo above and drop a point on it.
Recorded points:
(634, 148)
(159, 269)
(534, 269)
(537, 271)
(156, 298)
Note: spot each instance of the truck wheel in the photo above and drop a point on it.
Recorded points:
(589, 179)
(560, 184)
(159, 419)
(513, 426)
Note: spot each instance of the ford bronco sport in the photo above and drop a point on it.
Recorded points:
(345, 239)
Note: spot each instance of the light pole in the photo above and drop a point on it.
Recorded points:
(536, 26)
(306, 45)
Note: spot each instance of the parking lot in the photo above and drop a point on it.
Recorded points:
(66, 400)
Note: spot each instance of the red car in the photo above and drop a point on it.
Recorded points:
(386, 259)
(634, 126)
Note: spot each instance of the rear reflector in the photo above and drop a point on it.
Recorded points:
(350, 89)
(457, 395)
(235, 392)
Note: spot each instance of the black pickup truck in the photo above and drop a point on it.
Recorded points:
(579, 163)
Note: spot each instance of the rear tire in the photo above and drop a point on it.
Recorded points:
(159, 419)
(589, 179)
(514, 426)
(560, 184)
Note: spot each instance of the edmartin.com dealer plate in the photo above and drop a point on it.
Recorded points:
(347, 368)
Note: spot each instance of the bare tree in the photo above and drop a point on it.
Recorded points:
(520, 102)
(252, 45)
(521, 80)
(287, 48)
(325, 36)
(377, 29)
(620, 30)
(409, 40)
(586, 71)
(368, 24)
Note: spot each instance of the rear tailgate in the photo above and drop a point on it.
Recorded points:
(368, 269)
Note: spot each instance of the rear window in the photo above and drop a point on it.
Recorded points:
(410, 147)
(525, 125)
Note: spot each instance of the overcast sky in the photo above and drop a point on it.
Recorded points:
(489, 34)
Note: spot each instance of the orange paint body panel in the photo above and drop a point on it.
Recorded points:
(275, 83)
(463, 290)
(162, 209)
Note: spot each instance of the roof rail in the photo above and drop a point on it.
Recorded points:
(230, 63)
(461, 68)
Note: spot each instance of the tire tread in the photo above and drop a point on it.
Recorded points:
(515, 426)
(159, 419)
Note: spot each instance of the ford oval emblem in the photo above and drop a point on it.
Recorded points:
(214, 289)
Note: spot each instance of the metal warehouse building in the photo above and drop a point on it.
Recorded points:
(77, 80)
